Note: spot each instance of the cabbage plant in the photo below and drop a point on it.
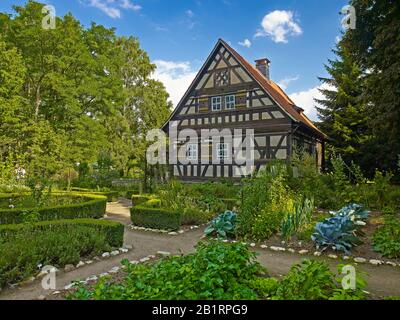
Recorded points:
(340, 231)
(223, 225)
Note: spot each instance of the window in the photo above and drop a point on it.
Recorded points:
(230, 102)
(191, 151)
(215, 103)
(222, 151)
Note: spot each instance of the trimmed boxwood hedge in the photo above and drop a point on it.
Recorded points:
(138, 199)
(93, 206)
(114, 230)
(111, 195)
(155, 218)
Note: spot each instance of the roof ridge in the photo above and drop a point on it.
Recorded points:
(276, 92)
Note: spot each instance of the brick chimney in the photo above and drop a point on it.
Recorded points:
(262, 65)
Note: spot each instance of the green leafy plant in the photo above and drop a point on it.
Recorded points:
(354, 212)
(356, 293)
(337, 233)
(340, 231)
(215, 271)
(313, 280)
(24, 246)
(386, 239)
(297, 221)
(222, 226)
(266, 200)
(309, 280)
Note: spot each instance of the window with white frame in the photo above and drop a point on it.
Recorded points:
(222, 151)
(191, 151)
(230, 102)
(215, 103)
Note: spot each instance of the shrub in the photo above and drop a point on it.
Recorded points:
(138, 199)
(194, 207)
(215, 271)
(57, 243)
(386, 239)
(111, 195)
(266, 201)
(155, 218)
(92, 206)
(223, 226)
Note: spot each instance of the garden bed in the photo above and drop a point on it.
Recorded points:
(81, 206)
(364, 250)
(26, 247)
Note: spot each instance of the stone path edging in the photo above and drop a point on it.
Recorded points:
(374, 262)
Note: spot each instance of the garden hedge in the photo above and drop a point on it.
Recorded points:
(155, 218)
(93, 206)
(114, 230)
(138, 199)
(111, 195)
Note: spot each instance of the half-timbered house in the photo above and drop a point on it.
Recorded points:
(229, 92)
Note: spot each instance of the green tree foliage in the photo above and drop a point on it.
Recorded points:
(73, 93)
(343, 113)
(362, 114)
(375, 45)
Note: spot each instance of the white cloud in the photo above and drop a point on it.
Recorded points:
(245, 43)
(112, 8)
(278, 25)
(127, 4)
(189, 13)
(305, 100)
(284, 83)
(176, 76)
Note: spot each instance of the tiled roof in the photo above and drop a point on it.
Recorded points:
(275, 91)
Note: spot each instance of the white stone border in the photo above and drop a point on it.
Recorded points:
(114, 270)
(374, 262)
(70, 267)
(170, 233)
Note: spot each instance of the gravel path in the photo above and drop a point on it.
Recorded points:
(382, 280)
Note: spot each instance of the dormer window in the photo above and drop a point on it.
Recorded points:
(216, 103)
(230, 102)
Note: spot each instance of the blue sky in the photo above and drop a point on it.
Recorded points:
(296, 35)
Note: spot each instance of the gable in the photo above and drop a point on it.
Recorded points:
(221, 74)
(225, 73)
(222, 65)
